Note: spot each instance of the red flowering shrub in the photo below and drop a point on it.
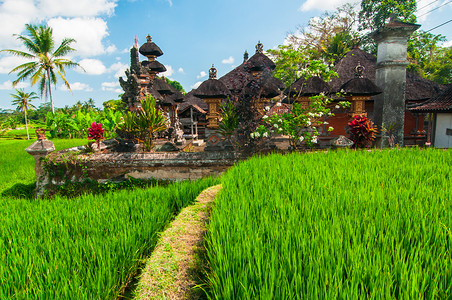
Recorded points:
(96, 132)
(362, 131)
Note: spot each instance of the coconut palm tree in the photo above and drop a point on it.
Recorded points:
(45, 62)
(22, 100)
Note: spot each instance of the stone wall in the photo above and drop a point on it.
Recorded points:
(61, 168)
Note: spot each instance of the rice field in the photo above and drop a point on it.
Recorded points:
(334, 225)
(17, 166)
(87, 247)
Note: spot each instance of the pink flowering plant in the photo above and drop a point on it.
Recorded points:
(299, 124)
(96, 132)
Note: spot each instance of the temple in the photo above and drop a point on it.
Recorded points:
(197, 113)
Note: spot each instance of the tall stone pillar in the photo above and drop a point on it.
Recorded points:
(389, 106)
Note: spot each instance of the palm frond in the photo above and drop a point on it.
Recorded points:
(25, 66)
(19, 53)
(64, 48)
(65, 81)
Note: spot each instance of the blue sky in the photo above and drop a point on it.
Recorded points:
(193, 34)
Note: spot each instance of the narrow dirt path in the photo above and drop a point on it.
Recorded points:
(175, 267)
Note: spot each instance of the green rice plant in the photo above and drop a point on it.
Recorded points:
(84, 248)
(334, 225)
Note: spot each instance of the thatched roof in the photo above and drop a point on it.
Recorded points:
(236, 79)
(150, 48)
(271, 88)
(259, 62)
(360, 87)
(440, 103)
(154, 93)
(212, 88)
(162, 86)
(191, 99)
(417, 87)
(153, 66)
(420, 89)
(177, 97)
(308, 87)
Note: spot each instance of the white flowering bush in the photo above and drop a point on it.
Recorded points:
(299, 124)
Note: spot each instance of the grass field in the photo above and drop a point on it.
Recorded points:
(17, 166)
(335, 225)
(85, 247)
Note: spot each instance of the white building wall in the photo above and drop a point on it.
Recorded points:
(443, 123)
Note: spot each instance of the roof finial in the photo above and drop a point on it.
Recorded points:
(259, 47)
(136, 42)
(212, 73)
(359, 70)
(149, 38)
(245, 56)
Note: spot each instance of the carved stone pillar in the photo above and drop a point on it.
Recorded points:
(391, 66)
(39, 149)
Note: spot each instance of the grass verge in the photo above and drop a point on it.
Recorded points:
(176, 267)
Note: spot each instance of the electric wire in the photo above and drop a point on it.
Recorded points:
(439, 25)
(434, 9)
(426, 5)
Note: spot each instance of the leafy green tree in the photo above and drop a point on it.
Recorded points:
(328, 37)
(428, 58)
(22, 100)
(292, 63)
(374, 13)
(46, 63)
(176, 85)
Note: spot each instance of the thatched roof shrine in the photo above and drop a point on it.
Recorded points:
(360, 86)
(212, 88)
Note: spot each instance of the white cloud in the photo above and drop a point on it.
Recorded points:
(14, 14)
(78, 8)
(447, 44)
(180, 70)
(8, 85)
(119, 67)
(169, 71)
(201, 75)
(321, 5)
(77, 86)
(111, 87)
(170, 2)
(228, 61)
(88, 33)
(8, 63)
(92, 67)
(196, 85)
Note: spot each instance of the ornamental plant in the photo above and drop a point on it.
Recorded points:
(96, 132)
(362, 131)
(229, 122)
(299, 124)
(144, 123)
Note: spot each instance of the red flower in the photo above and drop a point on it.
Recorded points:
(95, 132)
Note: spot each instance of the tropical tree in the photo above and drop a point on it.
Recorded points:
(22, 100)
(46, 63)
